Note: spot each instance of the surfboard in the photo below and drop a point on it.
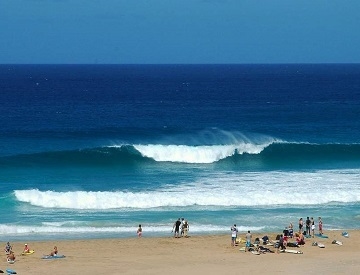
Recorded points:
(28, 253)
(337, 242)
(255, 252)
(321, 236)
(48, 257)
(10, 261)
(321, 245)
(10, 271)
(293, 251)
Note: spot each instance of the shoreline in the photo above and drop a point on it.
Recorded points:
(210, 254)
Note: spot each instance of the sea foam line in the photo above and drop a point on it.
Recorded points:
(219, 190)
(23, 229)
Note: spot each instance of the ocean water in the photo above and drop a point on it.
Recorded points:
(91, 151)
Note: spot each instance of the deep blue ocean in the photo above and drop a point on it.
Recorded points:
(91, 151)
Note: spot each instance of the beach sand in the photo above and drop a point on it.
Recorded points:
(194, 255)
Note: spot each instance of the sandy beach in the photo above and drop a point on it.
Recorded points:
(194, 255)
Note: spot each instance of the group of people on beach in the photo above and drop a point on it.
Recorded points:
(234, 235)
(310, 226)
(180, 228)
(288, 238)
(10, 256)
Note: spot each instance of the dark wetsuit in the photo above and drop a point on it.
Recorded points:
(177, 226)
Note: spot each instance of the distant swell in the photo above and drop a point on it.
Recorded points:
(268, 155)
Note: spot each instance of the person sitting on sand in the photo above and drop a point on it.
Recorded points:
(8, 248)
(10, 257)
(54, 252)
(139, 231)
(299, 238)
(26, 249)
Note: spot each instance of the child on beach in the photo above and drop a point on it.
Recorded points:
(139, 231)
(26, 249)
(8, 248)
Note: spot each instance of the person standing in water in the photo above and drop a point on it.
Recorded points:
(139, 231)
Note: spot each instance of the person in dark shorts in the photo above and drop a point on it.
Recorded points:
(281, 244)
(301, 225)
(308, 225)
(176, 228)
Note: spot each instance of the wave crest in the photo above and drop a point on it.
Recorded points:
(196, 154)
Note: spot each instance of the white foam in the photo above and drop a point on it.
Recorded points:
(219, 190)
(47, 229)
(196, 154)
